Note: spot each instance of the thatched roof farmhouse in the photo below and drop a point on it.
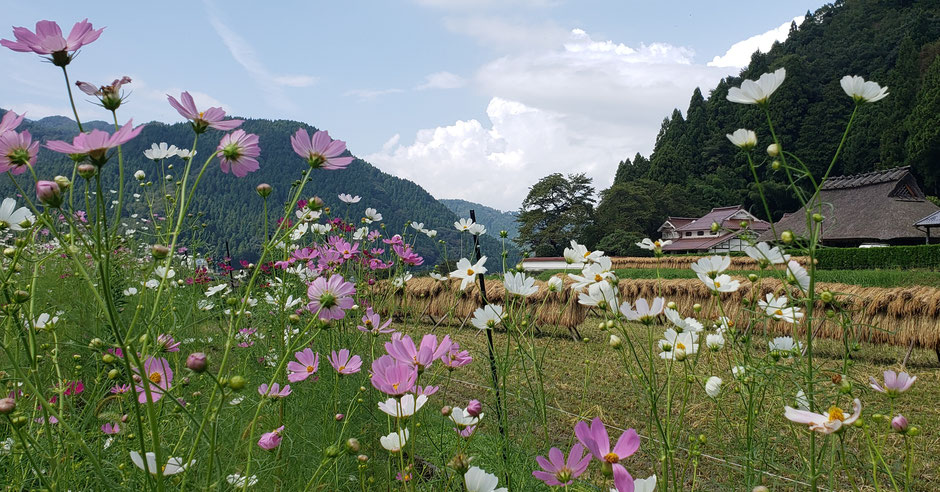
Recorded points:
(876, 208)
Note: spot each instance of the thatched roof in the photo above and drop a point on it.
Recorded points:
(932, 220)
(875, 206)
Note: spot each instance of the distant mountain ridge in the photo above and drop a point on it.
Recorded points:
(495, 220)
(231, 208)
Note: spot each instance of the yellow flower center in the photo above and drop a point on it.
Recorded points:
(657, 243)
(717, 284)
(469, 272)
(587, 253)
(395, 386)
(310, 369)
(156, 377)
(778, 312)
(835, 413)
(201, 114)
(611, 458)
(598, 278)
(341, 368)
(680, 345)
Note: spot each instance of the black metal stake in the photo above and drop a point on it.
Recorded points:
(489, 345)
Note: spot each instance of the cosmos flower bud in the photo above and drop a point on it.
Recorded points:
(196, 362)
(752, 277)
(615, 342)
(697, 307)
(681, 355)
(159, 251)
(773, 150)
(63, 182)
(237, 383)
(671, 305)
(140, 175)
(715, 227)
(786, 237)
(352, 445)
(86, 170)
(899, 424)
(826, 296)
(264, 190)
(446, 410)
(474, 408)
(7, 405)
(48, 193)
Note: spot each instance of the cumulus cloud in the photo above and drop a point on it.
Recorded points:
(739, 55)
(442, 80)
(369, 94)
(581, 106)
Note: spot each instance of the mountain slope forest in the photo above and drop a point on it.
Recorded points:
(495, 220)
(230, 207)
(693, 166)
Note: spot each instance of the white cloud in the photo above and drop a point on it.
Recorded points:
(580, 106)
(369, 94)
(442, 80)
(506, 35)
(271, 84)
(739, 54)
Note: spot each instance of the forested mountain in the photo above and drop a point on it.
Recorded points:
(693, 166)
(494, 220)
(230, 206)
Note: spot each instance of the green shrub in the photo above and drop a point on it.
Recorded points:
(924, 256)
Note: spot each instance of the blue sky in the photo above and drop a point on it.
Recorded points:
(472, 99)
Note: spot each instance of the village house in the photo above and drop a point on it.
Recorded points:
(879, 208)
(690, 235)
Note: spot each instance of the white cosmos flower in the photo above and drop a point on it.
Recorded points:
(418, 226)
(519, 284)
(674, 343)
(764, 254)
(395, 441)
(715, 341)
(713, 386)
(400, 280)
(164, 272)
(159, 152)
(598, 271)
(487, 317)
(711, 265)
(13, 217)
(463, 225)
(431, 233)
(651, 245)
(684, 325)
(438, 277)
(321, 228)
(463, 419)
(466, 272)
(205, 305)
(644, 312)
(173, 465)
(861, 91)
(798, 275)
(140, 175)
(215, 289)
(743, 138)
(824, 423)
(643, 484)
(477, 480)
(555, 284)
(737, 372)
(408, 407)
(785, 344)
(802, 403)
(372, 215)
(347, 198)
(777, 307)
(287, 304)
(360, 233)
(152, 284)
(239, 481)
(602, 295)
(299, 231)
(45, 320)
(307, 215)
(130, 291)
(578, 253)
(186, 153)
(721, 283)
(759, 91)
(477, 229)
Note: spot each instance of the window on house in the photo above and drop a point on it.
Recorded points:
(701, 233)
(688, 234)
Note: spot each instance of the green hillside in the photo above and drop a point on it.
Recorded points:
(693, 166)
(495, 220)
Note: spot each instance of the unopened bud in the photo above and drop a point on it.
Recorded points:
(264, 190)
(752, 277)
(49, 193)
(237, 383)
(671, 305)
(63, 182)
(20, 296)
(817, 218)
(474, 408)
(196, 362)
(786, 236)
(776, 165)
(826, 296)
(7, 405)
(697, 307)
(159, 251)
(446, 410)
(616, 342)
(352, 445)
(899, 424)
(87, 171)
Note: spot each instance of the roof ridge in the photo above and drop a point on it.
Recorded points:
(865, 179)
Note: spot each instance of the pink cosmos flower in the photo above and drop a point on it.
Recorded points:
(274, 391)
(320, 151)
(96, 143)
(596, 440)
(167, 343)
(244, 335)
(110, 428)
(330, 298)
(74, 388)
(895, 383)
(345, 249)
(824, 423)
(120, 389)
(10, 121)
(407, 255)
(426, 390)
(201, 120)
(271, 440)
(371, 323)
(157, 371)
(306, 365)
(455, 357)
(402, 348)
(48, 40)
(558, 471)
(237, 151)
(393, 377)
(343, 363)
(109, 95)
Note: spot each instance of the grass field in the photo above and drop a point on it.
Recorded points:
(587, 380)
(864, 278)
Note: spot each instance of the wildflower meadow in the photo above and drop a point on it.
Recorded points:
(131, 360)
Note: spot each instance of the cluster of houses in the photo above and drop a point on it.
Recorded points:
(880, 208)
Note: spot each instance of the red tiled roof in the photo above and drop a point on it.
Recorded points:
(697, 243)
(719, 215)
